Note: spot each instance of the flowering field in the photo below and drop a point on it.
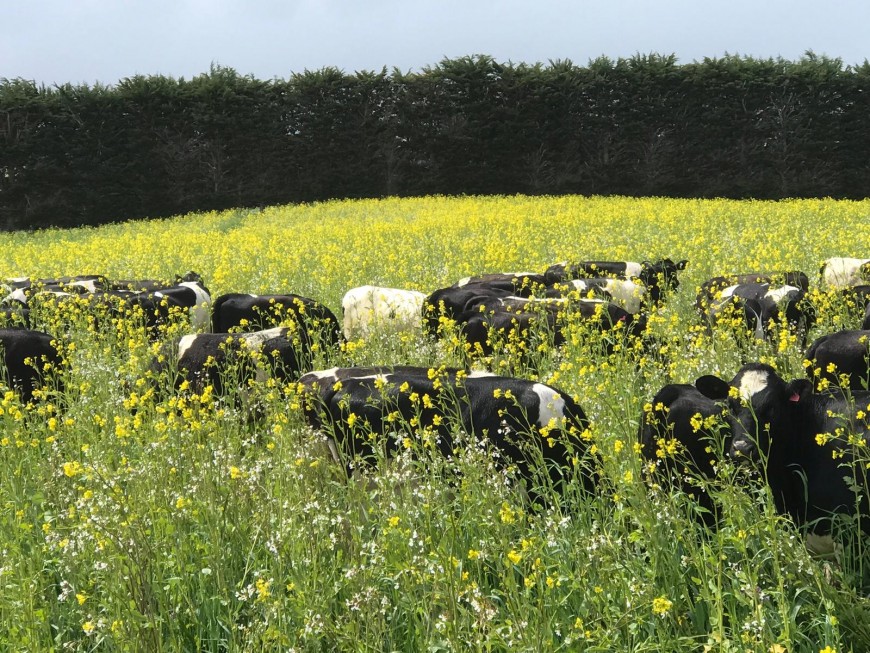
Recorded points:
(133, 519)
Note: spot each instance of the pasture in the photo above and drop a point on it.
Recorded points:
(134, 518)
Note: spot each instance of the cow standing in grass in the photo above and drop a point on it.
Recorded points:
(811, 448)
(29, 358)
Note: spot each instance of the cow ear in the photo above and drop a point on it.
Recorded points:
(799, 389)
(681, 265)
(712, 387)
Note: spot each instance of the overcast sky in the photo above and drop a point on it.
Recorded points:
(57, 41)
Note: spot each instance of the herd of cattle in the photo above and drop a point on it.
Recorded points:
(791, 427)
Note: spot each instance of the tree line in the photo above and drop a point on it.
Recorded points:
(151, 146)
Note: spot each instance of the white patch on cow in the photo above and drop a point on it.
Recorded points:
(318, 375)
(752, 382)
(89, 285)
(580, 284)
(626, 294)
(200, 315)
(395, 308)
(185, 343)
(463, 282)
(17, 279)
(729, 291)
(842, 272)
(551, 405)
(253, 295)
(781, 292)
(16, 296)
(254, 341)
(480, 374)
(632, 269)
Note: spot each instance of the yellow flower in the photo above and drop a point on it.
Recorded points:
(72, 468)
(235, 473)
(473, 554)
(776, 648)
(263, 591)
(661, 605)
(507, 514)
(514, 557)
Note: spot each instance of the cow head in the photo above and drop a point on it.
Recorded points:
(763, 411)
(661, 277)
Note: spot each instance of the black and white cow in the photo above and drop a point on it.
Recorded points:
(374, 307)
(150, 285)
(683, 437)
(192, 295)
(659, 277)
(26, 354)
(800, 439)
(525, 423)
(314, 321)
(836, 354)
(21, 289)
(229, 362)
(759, 300)
(842, 272)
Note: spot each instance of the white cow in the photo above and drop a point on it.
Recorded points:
(840, 272)
(368, 307)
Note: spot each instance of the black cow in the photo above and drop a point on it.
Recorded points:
(517, 318)
(659, 278)
(15, 314)
(759, 302)
(228, 362)
(153, 310)
(801, 441)
(837, 354)
(519, 284)
(525, 423)
(858, 297)
(26, 353)
(682, 436)
(238, 311)
(462, 299)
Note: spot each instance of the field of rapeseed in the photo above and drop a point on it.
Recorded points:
(135, 519)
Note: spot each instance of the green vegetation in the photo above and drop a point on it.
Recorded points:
(136, 519)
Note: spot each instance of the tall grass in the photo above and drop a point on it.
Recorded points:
(134, 518)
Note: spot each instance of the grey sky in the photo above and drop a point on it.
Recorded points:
(56, 41)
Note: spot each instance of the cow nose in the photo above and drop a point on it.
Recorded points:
(742, 450)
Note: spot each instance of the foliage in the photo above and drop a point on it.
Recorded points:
(134, 518)
(157, 146)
